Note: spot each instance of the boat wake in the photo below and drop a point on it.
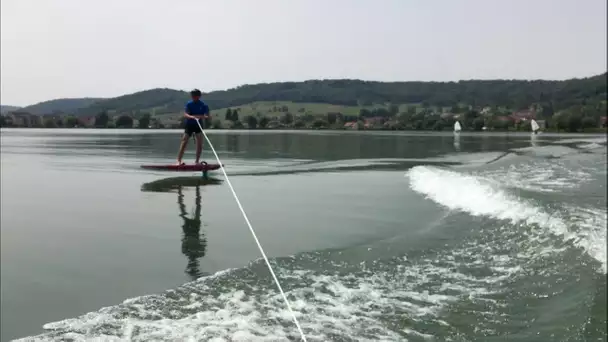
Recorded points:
(462, 192)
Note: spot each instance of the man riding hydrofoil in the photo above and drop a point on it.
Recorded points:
(194, 111)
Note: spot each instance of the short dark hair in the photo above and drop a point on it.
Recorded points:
(195, 92)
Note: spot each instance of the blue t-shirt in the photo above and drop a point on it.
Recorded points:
(195, 108)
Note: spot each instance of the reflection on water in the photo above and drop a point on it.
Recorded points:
(177, 183)
(194, 243)
(259, 145)
(232, 143)
(533, 140)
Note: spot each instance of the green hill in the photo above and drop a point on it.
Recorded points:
(515, 94)
(159, 101)
(65, 106)
(273, 109)
(4, 109)
(504, 93)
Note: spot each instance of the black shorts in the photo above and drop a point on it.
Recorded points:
(192, 127)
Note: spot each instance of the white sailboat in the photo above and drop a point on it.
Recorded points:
(457, 127)
(457, 130)
(535, 126)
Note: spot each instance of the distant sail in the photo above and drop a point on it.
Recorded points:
(457, 127)
(534, 125)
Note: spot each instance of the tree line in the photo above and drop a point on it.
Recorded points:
(384, 119)
(514, 94)
(391, 117)
(102, 120)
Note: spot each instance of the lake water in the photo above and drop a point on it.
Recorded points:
(374, 237)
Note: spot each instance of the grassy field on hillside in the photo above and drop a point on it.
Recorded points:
(272, 109)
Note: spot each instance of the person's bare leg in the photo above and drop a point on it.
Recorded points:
(199, 147)
(182, 148)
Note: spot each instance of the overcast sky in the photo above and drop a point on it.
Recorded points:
(75, 48)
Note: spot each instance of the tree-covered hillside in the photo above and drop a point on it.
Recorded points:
(4, 109)
(513, 94)
(59, 106)
(504, 93)
(160, 100)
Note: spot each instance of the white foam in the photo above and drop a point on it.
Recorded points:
(592, 237)
(479, 197)
(540, 176)
(597, 140)
(468, 193)
(361, 305)
(393, 300)
(590, 146)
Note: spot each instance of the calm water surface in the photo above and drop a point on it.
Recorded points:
(374, 236)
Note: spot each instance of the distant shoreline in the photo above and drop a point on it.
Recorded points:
(289, 129)
(573, 105)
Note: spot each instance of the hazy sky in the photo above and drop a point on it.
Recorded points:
(77, 48)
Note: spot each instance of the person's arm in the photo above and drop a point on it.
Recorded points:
(207, 112)
(187, 113)
(202, 116)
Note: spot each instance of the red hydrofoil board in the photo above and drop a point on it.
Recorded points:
(183, 167)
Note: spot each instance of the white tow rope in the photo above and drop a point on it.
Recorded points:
(276, 280)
